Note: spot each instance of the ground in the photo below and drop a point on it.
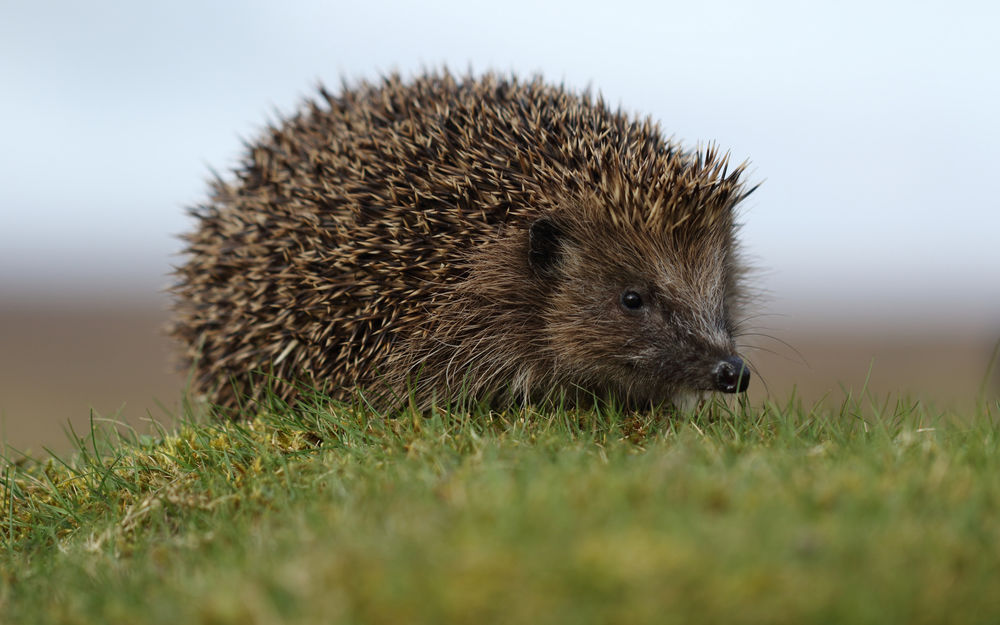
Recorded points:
(870, 510)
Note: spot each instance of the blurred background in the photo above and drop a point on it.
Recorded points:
(873, 127)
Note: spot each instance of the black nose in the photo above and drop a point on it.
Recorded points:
(732, 375)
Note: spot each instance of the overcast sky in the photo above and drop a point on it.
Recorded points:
(873, 126)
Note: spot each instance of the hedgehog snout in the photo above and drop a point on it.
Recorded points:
(731, 375)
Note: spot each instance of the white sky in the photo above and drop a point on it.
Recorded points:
(874, 126)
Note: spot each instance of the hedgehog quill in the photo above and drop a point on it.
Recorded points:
(483, 237)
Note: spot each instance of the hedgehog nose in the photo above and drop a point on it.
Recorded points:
(732, 375)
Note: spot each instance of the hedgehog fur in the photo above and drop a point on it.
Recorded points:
(483, 237)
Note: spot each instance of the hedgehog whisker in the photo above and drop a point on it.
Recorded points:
(777, 340)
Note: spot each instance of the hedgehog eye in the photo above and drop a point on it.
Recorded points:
(631, 300)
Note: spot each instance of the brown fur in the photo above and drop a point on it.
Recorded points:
(380, 238)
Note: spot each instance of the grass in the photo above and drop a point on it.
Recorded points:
(859, 512)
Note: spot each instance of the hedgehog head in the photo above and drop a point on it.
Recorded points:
(640, 305)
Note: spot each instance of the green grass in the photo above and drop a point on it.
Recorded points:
(860, 512)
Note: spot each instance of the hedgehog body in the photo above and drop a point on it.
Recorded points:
(476, 236)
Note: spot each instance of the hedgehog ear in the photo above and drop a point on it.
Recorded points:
(544, 244)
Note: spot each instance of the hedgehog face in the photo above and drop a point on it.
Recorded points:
(644, 316)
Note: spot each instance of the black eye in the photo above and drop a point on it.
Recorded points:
(631, 300)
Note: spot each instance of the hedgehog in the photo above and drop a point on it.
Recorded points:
(450, 237)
